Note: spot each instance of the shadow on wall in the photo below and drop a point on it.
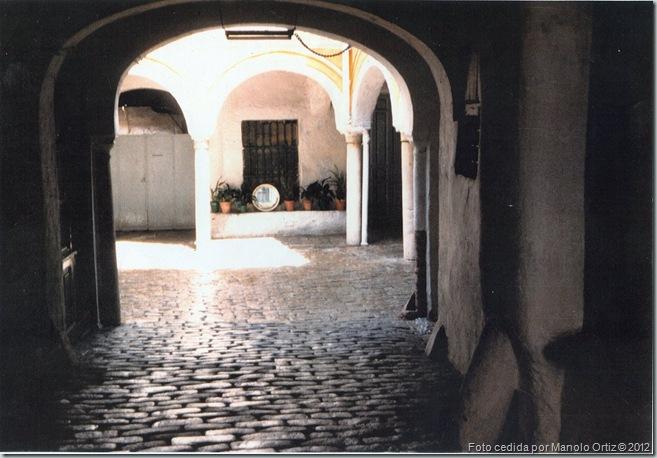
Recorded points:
(606, 397)
(609, 367)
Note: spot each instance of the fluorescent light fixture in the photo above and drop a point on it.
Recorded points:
(259, 33)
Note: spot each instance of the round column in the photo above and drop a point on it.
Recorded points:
(202, 193)
(408, 225)
(354, 187)
(366, 187)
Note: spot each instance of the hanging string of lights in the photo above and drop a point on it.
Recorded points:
(317, 53)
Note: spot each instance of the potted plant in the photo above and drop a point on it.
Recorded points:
(306, 198)
(326, 195)
(225, 200)
(339, 183)
(225, 195)
(246, 198)
(288, 196)
(241, 198)
(215, 193)
(319, 193)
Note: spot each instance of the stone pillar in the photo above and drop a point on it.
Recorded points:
(202, 186)
(109, 309)
(553, 100)
(420, 214)
(366, 187)
(354, 173)
(408, 227)
(432, 230)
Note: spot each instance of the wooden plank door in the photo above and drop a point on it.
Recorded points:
(385, 210)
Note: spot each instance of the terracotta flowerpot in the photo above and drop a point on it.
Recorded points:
(225, 207)
(340, 204)
(307, 204)
(289, 205)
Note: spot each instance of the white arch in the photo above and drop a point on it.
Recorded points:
(46, 98)
(135, 82)
(367, 86)
(212, 101)
(442, 139)
(165, 77)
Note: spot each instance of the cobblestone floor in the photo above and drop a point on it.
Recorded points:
(308, 358)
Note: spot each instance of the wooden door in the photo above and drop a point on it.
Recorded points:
(153, 182)
(385, 207)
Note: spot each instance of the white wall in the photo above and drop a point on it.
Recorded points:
(278, 95)
(153, 182)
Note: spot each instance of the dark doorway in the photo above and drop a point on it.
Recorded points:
(385, 200)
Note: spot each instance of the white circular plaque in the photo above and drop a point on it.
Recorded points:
(266, 197)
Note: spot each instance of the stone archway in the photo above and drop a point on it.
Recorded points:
(409, 59)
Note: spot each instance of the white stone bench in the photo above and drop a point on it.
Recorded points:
(300, 222)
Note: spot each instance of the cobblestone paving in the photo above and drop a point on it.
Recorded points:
(339, 283)
(303, 359)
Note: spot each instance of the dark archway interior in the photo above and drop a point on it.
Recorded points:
(159, 101)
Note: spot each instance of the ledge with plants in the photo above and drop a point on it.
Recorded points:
(324, 194)
(223, 196)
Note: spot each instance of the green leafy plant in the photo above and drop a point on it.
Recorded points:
(320, 193)
(304, 193)
(223, 192)
(287, 191)
(216, 192)
(339, 183)
(242, 197)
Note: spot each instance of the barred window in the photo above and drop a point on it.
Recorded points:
(270, 153)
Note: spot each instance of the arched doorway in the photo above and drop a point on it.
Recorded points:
(385, 199)
(429, 125)
(152, 163)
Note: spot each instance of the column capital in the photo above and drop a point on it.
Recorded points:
(354, 137)
(406, 138)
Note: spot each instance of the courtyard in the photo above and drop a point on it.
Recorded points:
(277, 344)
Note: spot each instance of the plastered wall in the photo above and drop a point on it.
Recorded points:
(278, 95)
(144, 121)
(459, 280)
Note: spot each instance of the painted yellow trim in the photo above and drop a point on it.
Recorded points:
(326, 69)
(159, 62)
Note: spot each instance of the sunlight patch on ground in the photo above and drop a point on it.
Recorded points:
(226, 254)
